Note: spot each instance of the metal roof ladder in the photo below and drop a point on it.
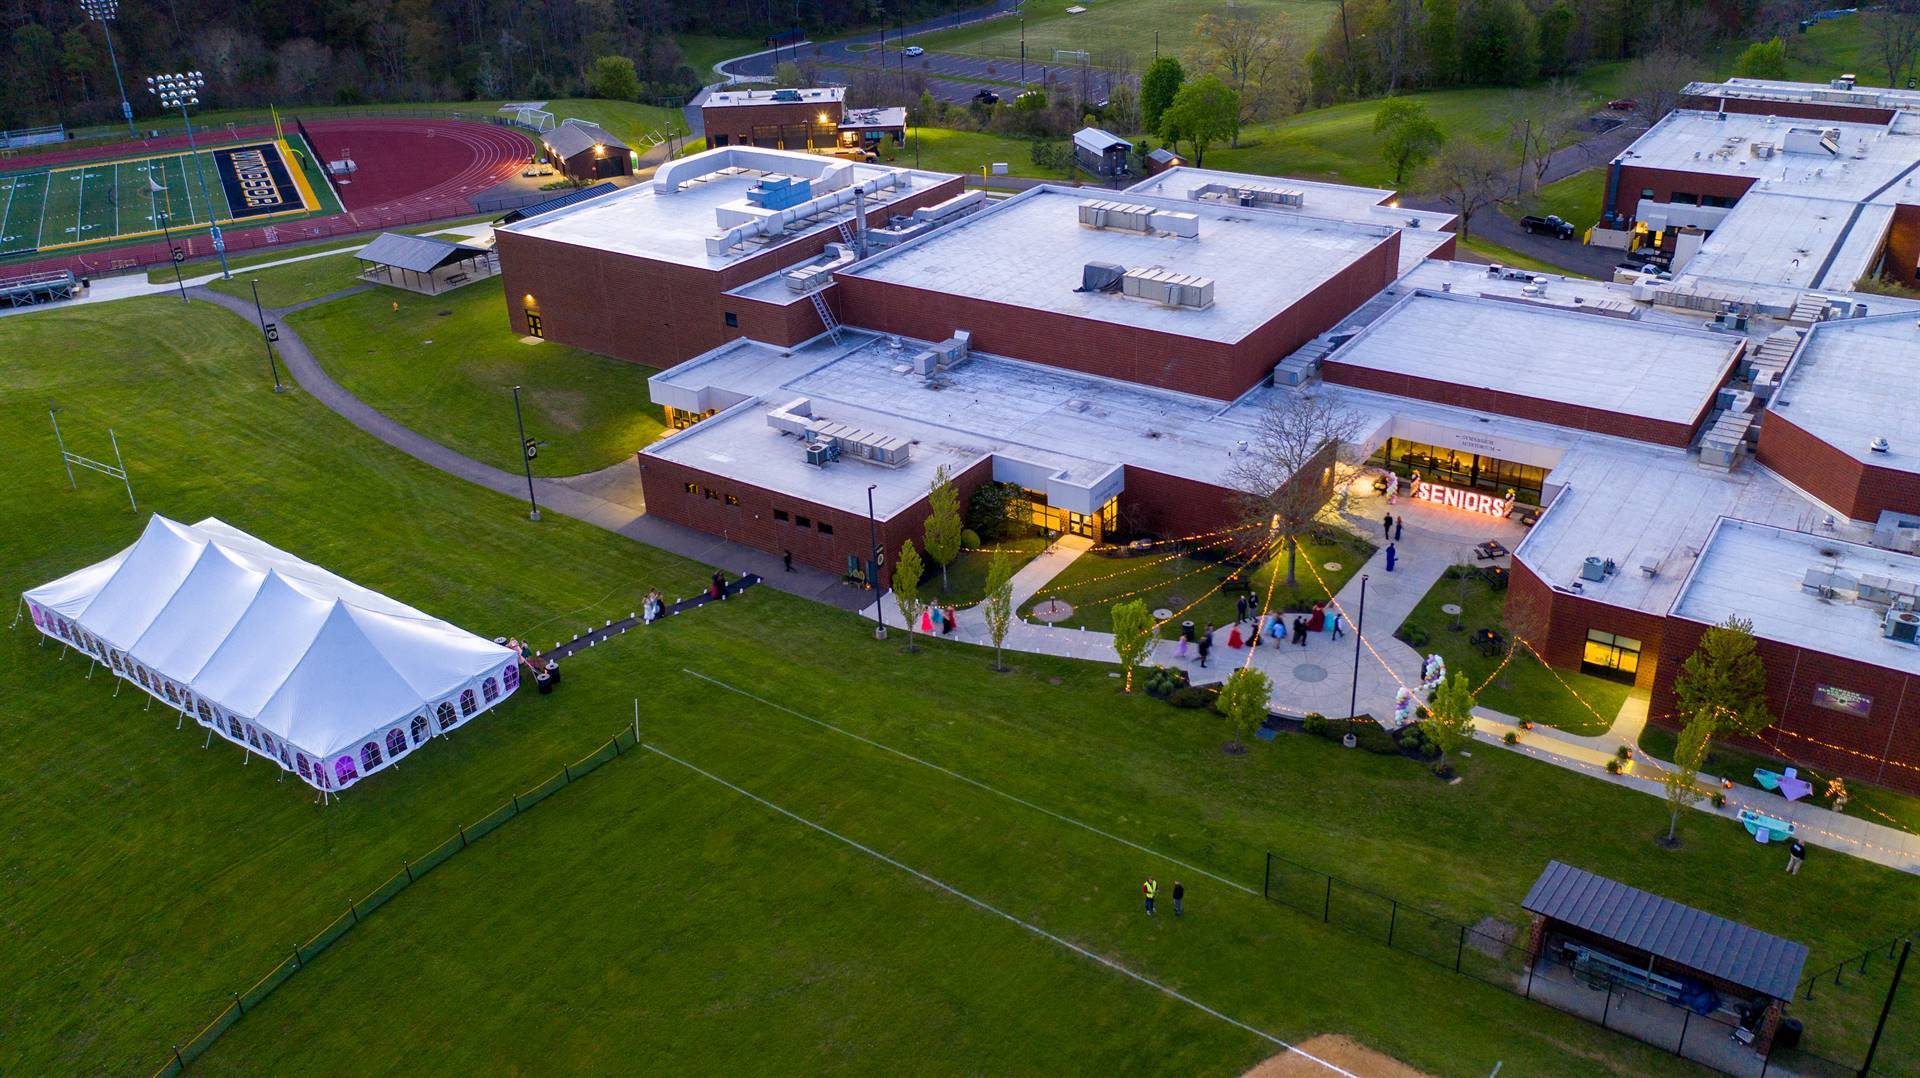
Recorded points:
(826, 314)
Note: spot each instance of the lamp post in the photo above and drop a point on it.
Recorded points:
(268, 334)
(179, 91)
(526, 455)
(1359, 626)
(873, 568)
(102, 12)
(1023, 52)
(173, 253)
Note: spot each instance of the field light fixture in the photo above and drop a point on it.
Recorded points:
(181, 90)
(103, 12)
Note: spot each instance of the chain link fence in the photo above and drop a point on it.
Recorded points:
(410, 872)
(1497, 953)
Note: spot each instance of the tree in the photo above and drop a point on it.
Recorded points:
(1157, 89)
(1724, 681)
(613, 78)
(1285, 475)
(906, 588)
(942, 531)
(1133, 637)
(1654, 80)
(77, 60)
(1895, 32)
(998, 607)
(1243, 700)
(1203, 112)
(787, 74)
(1469, 176)
(1440, 41)
(1553, 37)
(1762, 60)
(1688, 754)
(301, 67)
(1256, 57)
(1496, 43)
(1409, 135)
(1449, 720)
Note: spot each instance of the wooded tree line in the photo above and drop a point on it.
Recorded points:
(360, 51)
(1375, 47)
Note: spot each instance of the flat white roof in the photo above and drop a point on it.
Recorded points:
(1588, 360)
(1029, 251)
(1800, 241)
(895, 116)
(1755, 571)
(813, 95)
(1878, 97)
(1421, 231)
(1869, 157)
(644, 221)
(1854, 380)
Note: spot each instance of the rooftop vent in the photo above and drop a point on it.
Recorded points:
(1168, 288)
(1879, 445)
(786, 95)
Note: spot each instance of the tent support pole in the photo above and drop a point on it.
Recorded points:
(117, 682)
(209, 742)
(181, 722)
(91, 663)
(19, 608)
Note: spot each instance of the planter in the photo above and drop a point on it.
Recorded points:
(1349, 741)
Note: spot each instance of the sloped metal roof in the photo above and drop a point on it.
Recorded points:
(421, 254)
(576, 137)
(561, 202)
(1666, 929)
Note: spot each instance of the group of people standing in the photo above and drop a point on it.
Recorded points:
(938, 619)
(1321, 618)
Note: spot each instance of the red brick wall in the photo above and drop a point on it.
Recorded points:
(1902, 261)
(1170, 361)
(655, 312)
(1883, 748)
(1859, 490)
(1162, 504)
(1559, 622)
(752, 523)
(1642, 428)
(1804, 110)
(1665, 181)
(738, 121)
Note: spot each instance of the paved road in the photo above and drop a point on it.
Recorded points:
(573, 497)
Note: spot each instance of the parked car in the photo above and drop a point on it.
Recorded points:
(1623, 104)
(986, 97)
(915, 50)
(1551, 224)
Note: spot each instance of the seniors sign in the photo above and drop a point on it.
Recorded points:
(1472, 501)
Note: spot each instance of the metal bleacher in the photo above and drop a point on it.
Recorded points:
(35, 288)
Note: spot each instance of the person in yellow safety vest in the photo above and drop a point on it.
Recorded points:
(1152, 885)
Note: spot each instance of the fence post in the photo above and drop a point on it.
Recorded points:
(1393, 919)
(1266, 881)
(1326, 906)
(1607, 1007)
(1460, 951)
(567, 770)
(516, 804)
(177, 1061)
(408, 865)
(297, 963)
(355, 912)
(463, 835)
(237, 1003)
(616, 744)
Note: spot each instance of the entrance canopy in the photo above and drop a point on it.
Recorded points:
(278, 655)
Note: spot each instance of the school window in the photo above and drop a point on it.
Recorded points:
(780, 515)
(731, 500)
(825, 528)
(693, 488)
(712, 493)
(802, 522)
(1614, 657)
(1646, 192)
(732, 319)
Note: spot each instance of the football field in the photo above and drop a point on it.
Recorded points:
(107, 201)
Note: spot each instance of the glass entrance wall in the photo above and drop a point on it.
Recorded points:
(681, 419)
(1095, 526)
(1458, 468)
(1611, 656)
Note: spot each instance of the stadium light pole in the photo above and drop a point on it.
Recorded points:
(178, 91)
(102, 12)
(526, 455)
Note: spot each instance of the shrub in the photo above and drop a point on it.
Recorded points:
(1191, 696)
(1719, 799)
(1236, 583)
(1162, 681)
(1623, 754)
(1441, 769)
(1511, 738)
(1315, 724)
(970, 538)
(1613, 766)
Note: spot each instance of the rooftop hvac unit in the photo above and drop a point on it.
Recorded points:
(1101, 277)
(1594, 569)
(1126, 216)
(1166, 287)
(1901, 625)
(820, 453)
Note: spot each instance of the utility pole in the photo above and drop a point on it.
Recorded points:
(1359, 626)
(526, 455)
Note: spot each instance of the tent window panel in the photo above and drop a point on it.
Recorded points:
(468, 704)
(419, 731)
(396, 741)
(490, 690)
(206, 714)
(267, 741)
(445, 714)
(285, 760)
(370, 757)
(510, 677)
(253, 737)
(300, 761)
(343, 769)
(234, 728)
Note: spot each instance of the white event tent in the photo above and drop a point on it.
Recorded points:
(277, 655)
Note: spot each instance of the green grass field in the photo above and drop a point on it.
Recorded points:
(447, 364)
(110, 201)
(1107, 26)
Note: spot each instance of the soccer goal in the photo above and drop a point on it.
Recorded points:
(1078, 56)
(534, 118)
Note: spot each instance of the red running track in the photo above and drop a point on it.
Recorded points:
(410, 171)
